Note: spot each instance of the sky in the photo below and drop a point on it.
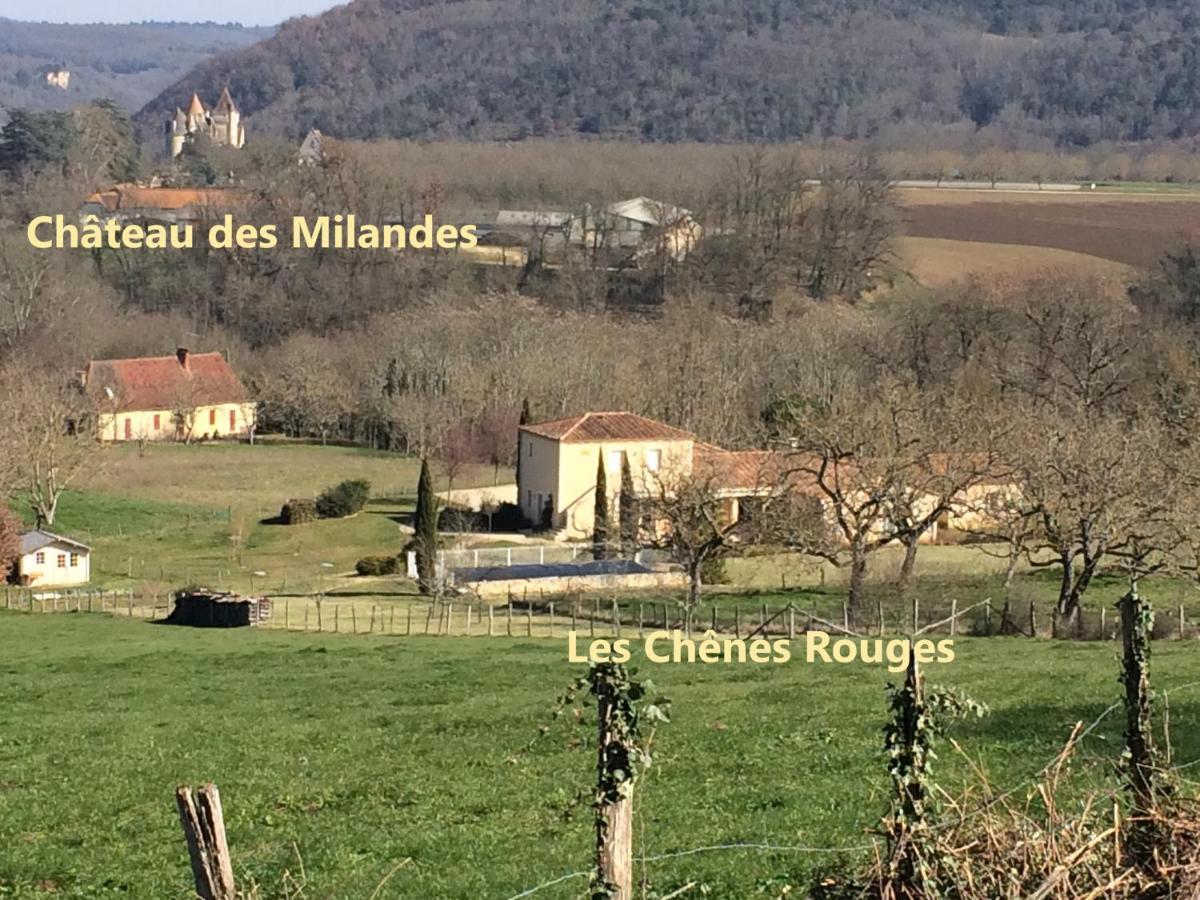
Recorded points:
(257, 12)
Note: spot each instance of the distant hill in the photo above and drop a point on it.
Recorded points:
(130, 64)
(717, 70)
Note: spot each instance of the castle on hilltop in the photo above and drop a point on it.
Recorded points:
(222, 124)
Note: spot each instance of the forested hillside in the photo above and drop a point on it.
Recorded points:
(718, 70)
(129, 64)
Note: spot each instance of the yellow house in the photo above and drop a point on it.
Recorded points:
(559, 460)
(51, 560)
(185, 397)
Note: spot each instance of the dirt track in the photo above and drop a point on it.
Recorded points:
(1131, 229)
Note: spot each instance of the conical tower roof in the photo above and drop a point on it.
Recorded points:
(225, 104)
(195, 108)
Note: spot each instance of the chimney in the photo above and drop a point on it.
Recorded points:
(182, 355)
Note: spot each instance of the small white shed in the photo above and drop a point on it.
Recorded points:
(49, 559)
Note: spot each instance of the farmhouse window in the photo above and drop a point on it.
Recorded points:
(212, 417)
(62, 560)
(614, 459)
(157, 422)
(530, 446)
(74, 560)
(233, 420)
(129, 429)
(39, 558)
(653, 459)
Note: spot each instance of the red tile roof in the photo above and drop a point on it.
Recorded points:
(594, 427)
(163, 383)
(751, 471)
(126, 197)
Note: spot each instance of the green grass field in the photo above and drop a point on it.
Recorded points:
(179, 515)
(341, 757)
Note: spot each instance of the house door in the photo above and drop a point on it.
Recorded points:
(129, 429)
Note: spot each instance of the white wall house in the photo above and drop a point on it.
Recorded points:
(51, 560)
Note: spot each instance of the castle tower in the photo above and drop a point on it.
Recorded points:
(226, 119)
(222, 124)
(177, 132)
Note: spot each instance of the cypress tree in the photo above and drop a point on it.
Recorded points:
(425, 538)
(523, 420)
(628, 509)
(600, 528)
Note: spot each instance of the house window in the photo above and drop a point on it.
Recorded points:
(529, 499)
(614, 459)
(39, 558)
(129, 429)
(62, 560)
(233, 420)
(653, 460)
(530, 446)
(212, 417)
(74, 560)
(157, 422)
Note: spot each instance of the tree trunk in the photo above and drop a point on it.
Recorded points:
(1067, 596)
(858, 577)
(911, 543)
(695, 585)
(1010, 570)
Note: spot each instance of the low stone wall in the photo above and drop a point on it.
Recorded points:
(532, 587)
(477, 498)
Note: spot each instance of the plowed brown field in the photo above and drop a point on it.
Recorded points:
(1126, 228)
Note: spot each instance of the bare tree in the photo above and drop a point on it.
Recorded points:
(49, 435)
(707, 514)
(886, 462)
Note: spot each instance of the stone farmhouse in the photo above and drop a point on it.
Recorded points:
(185, 397)
(559, 461)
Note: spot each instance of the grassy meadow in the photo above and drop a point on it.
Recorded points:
(200, 514)
(339, 758)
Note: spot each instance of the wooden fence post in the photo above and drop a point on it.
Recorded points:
(879, 610)
(916, 614)
(491, 620)
(614, 810)
(1032, 620)
(204, 827)
(510, 615)
(528, 618)
(1182, 622)
(954, 617)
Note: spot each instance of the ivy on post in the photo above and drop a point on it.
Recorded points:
(917, 720)
(1139, 757)
(622, 756)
